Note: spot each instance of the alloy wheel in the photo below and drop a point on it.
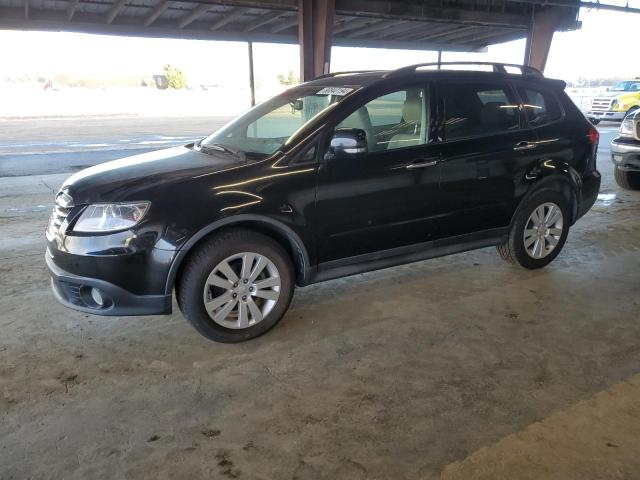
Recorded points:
(241, 290)
(543, 230)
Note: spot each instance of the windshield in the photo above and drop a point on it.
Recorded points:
(266, 127)
(627, 86)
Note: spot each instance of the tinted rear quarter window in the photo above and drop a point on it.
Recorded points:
(540, 106)
(475, 109)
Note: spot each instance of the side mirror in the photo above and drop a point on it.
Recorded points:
(298, 105)
(347, 142)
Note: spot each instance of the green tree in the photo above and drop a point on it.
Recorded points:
(176, 78)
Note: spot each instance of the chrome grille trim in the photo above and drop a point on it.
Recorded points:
(62, 208)
(601, 104)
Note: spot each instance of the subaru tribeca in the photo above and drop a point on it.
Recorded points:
(345, 174)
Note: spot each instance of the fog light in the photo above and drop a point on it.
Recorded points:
(97, 296)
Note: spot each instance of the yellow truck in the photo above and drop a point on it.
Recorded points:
(616, 103)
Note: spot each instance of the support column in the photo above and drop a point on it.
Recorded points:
(315, 32)
(543, 26)
(252, 85)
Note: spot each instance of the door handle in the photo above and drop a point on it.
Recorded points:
(422, 164)
(524, 146)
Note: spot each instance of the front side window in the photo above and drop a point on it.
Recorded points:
(266, 128)
(395, 120)
(473, 109)
(539, 106)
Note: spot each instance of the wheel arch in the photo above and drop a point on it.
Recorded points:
(564, 179)
(280, 232)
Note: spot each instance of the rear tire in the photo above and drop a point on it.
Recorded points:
(627, 180)
(539, 231)
(236, 286)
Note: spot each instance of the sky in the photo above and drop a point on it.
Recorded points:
(606, 46)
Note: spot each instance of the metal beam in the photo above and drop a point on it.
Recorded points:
(408, 30)
(449, 34)
(417, 11)
(156, 12)
(196, 13)
(229, 16)
(71, 9)
(115, 10)
(94, 23)
(291, 22)
(263, 20)
(26, 9)
(355, 23)
(375, 28)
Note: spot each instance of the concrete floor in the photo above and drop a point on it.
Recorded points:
(458, 368)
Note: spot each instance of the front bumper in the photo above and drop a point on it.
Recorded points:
(606, 116)
(588, 193)
(626, 156)
(74, 291)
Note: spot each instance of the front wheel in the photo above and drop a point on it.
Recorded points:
(236, 286)
(539, 231)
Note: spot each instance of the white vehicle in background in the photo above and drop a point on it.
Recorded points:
(625, 153)
(616, 103)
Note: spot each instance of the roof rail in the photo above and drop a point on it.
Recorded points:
(497, 68)
(348, 72)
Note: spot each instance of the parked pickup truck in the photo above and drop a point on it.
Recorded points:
(625, 153)
(617, 103)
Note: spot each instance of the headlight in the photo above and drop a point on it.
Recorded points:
(107, 217)
(614, 105)
(626, 129)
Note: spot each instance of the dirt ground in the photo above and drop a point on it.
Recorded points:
(461, 367)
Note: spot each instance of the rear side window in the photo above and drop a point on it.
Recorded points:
(540, 106)
(473, 109)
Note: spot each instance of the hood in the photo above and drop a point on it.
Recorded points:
(135, 177)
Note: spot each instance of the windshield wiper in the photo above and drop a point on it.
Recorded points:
(221, 148)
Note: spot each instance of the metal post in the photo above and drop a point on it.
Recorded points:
(252, 85)
(439, 58)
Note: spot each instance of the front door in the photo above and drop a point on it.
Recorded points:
(385, 198)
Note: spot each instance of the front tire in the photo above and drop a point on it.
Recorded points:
(627, 180)
(236, 286)
(539, 231)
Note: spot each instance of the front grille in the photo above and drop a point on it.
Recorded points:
(601, 104)
(64, 204)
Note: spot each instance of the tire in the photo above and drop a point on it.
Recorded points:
(627, 180)
(514, 250)
(241, 321)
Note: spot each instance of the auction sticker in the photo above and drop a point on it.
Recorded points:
(340, 91)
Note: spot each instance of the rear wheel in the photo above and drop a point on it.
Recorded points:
(627, 180)
(539, 231)
(236, 286)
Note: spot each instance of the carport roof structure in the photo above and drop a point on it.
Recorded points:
(453, 25)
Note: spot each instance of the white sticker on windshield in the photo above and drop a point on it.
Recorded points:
(340, 91)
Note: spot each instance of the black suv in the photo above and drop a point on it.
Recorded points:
(348, 173)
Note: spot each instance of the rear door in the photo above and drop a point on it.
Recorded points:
(484, 144)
